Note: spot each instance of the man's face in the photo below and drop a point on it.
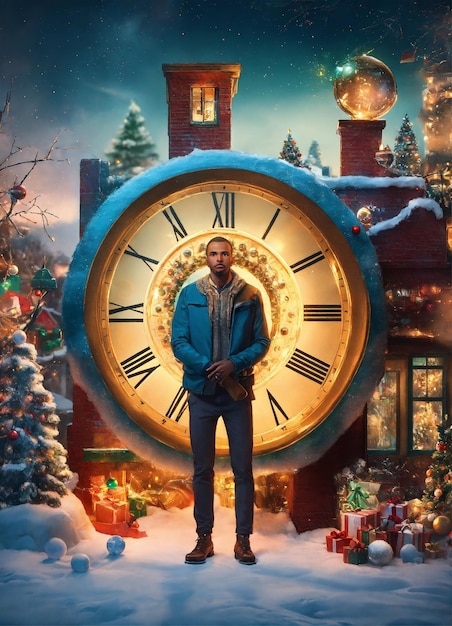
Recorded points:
(219, 258)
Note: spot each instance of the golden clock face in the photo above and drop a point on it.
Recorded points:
(314, 293)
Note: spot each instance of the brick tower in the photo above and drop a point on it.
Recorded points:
(199, 97)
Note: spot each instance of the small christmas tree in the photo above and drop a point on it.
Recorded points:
(33, 465)
(437, 496)
(290, 151)
(132, 151)
(314, 158)
(406, 152)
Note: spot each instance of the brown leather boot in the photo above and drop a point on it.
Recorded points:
(202, 550)
(242, 550)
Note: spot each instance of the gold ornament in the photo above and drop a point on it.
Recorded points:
(442, 525)
(365, 88)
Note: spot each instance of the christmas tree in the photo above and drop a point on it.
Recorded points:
(406, 152)
(33, 465)
(290, 151)
(132, 151)
(437, 496)
(314, 158)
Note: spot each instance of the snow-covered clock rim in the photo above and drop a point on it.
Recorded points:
(86, 375)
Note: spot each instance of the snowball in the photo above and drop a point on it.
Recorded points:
(116, 545)
(380, 552)
(80, 563)
(55, 548)
(409, 554)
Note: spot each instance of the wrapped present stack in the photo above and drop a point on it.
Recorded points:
(111, 508)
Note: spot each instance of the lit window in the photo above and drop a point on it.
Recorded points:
(427, 400)
(203, 105)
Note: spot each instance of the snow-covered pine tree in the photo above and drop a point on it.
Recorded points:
(290, 151)
(314, 158)
(132, 151)
(407, 158)
(437, 496)
(33, 466)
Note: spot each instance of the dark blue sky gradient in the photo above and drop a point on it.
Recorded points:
(76, 66)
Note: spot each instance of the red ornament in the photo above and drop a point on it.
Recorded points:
(356, 229)
(38, 293)
(13, 435)
(17, 192)
(442, 447)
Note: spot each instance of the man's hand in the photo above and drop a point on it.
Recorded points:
(220, 370)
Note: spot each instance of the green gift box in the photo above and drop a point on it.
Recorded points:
(356, 553)
(137, 506)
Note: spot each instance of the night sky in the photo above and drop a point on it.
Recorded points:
(76, 66)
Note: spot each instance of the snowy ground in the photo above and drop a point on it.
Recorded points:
(296, 581)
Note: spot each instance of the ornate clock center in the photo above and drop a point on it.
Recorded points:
(256, 263)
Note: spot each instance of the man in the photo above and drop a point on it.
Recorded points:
(218, 333)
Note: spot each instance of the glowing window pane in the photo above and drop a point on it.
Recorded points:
(204, 105)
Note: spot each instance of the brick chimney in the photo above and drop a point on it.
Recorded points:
(199, 97)
(360, 140)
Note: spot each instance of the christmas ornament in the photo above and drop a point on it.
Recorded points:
(380, 552)
(80, 563)
(13, 270)
(409, 554)
(13, 435)
(365, 88)
(112, 483)
(55, 548)
(438, 493)
(365, 217)
(116, 545)
(19, 337)
(442, 525)
(17, 192)
(43, 280)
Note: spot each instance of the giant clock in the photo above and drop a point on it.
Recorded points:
(291, 237)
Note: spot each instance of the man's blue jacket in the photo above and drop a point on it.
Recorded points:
(191, 336)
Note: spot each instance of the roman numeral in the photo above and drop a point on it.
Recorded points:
(308, 366)
(224, 204)
(177, 226)
(178, 405)
(322, 313)
(135, 310)
(307, 262)
(272, 221)
(146, 259)
(277, 409)
(137, 365)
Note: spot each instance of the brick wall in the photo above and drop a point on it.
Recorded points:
(184, 136)
(360, 140)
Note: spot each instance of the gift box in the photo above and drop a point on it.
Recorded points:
(137, 506)
(381, 534)
(372, 489)
(394, 507)
(388, 523)
(392, 535)
(357, 496)
(356, 553)
(434, 551)
(366, 534)
(111, 512)
(410, 533)
(337, 540)
(352, 520)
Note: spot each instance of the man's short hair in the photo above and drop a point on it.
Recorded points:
(218, 239)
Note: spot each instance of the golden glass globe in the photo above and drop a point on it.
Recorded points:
(365, 88)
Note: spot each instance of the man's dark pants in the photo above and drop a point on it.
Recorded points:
(237, 416)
